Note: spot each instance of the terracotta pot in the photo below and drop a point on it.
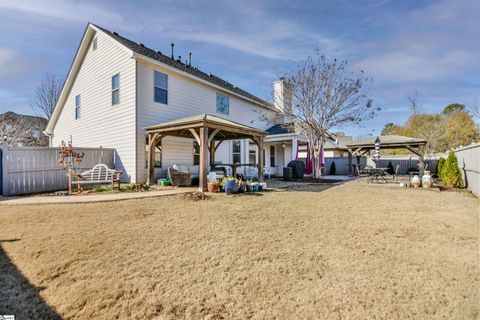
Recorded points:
(427, 180)
(213, 187)
(416, 181)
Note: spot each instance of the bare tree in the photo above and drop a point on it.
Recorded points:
(20, 130)
(414, 107)
(47, 96)
(325, 95)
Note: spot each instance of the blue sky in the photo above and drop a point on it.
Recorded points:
(432, 47)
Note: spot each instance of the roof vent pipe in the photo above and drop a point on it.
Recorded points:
(173, 45)
(189, 59)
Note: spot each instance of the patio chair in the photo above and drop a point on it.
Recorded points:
(180, 176)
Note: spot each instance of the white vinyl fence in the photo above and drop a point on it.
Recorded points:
(341, 164)
(26, 170)
(469, 163)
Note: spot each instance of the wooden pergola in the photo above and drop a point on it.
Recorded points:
(209, 131)
(361, 147)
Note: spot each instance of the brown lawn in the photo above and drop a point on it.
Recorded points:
(353, 251)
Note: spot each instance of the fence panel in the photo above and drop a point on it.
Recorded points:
(406, 163)
(341, 164)
(31, 169)
(469, 163)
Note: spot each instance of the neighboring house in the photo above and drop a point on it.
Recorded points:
(116, 88)
(23, 130)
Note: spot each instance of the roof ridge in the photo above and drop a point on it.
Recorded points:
(179, 65)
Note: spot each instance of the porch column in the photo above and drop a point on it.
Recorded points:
(260, 145)
(294, 149)
(203, 172)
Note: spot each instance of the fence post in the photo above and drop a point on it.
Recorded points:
(5, 190)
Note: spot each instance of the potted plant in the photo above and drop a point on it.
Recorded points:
(213, 186)
(230, 185)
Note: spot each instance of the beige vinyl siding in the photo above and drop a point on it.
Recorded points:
(186, 97)
(100, 123)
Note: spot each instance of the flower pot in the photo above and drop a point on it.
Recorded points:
(427, 180)
(212, 187)
(416, 181)
(230, 186)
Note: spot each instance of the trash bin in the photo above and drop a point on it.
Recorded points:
(287, 173)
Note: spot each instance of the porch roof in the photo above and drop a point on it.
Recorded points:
(227, 130)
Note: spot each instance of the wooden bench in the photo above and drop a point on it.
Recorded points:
(99, 174)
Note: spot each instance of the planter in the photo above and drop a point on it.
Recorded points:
(230, 186)
(213, 187)
(416, 183)
(427, 180)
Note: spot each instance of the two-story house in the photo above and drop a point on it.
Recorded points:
(116, 88)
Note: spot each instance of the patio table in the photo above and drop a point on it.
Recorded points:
(376, 173)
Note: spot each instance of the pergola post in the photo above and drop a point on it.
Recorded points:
(202, 184)
(153, 139)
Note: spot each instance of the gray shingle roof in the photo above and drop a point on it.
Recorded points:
(158, 56)
(387, 140)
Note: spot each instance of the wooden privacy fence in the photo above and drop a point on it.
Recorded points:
(26, 170)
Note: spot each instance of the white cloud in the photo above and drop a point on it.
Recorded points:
(13, 64)
(78, 11)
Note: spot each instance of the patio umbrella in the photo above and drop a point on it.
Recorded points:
(376, 154)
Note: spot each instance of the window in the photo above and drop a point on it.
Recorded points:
(236, 148)
(252, 153)
(36, 133)
(272, 156)
(222, 104)
(263, 153)
(196, 153)
(157, 162)
(115, 89)
(94, 44)
(160, 87)
(77, 107)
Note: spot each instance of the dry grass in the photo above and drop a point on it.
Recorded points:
(353, 251)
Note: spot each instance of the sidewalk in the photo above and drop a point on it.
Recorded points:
(87, 198)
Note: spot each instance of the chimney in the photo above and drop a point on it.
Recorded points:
(282, 97)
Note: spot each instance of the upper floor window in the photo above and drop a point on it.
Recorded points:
(222, 104)
(160, 87)
(94, 44)
(36, 133)
(196, 153)
(77, 107)
(236, 151)
(115, 89)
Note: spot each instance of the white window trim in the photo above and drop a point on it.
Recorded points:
(118, 89)
(155, 86)
(216, 106)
